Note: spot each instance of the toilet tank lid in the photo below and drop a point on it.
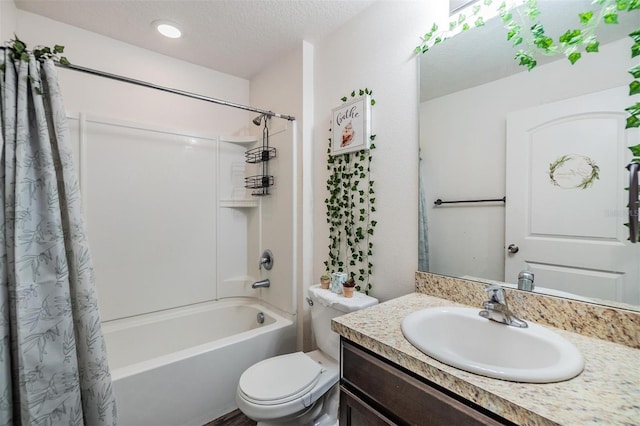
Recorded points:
(337, 301)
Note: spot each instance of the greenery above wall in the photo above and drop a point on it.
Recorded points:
(350, 205)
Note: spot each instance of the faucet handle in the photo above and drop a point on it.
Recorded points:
(495, 293)
(525, 280)
(266, 260)
(496, 308)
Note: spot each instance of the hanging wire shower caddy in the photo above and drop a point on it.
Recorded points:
(261, 155)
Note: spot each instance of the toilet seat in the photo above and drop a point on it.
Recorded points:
(280, 379)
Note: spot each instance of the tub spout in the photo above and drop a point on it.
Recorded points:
(261, 284)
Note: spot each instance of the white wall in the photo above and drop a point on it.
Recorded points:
(463, 142)
(124, 101)
(7, 20)
(375, 50)
(96, 97)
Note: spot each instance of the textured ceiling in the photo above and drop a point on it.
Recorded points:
(238, 37)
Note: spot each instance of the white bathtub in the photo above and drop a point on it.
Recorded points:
(182, 366)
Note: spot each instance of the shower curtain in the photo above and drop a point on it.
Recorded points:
(423, 242)
(53, 363)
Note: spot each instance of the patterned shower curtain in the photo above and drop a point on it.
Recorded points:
(53, 362)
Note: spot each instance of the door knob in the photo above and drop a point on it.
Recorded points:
(513, 248)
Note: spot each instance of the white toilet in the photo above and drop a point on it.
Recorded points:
(301, 388)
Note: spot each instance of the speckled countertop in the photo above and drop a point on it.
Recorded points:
(607, 392)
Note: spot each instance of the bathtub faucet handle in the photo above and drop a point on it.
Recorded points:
(266, 260)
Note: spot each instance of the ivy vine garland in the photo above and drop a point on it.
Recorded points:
(18, 51)
(350, 205)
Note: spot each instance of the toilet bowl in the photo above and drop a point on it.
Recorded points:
(301, 388)
(296, 382)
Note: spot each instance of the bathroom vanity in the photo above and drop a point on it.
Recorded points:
(374, 391)
(386, 380)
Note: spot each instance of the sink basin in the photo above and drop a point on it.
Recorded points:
(461, 338)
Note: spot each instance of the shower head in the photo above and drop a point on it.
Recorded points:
(258, 119)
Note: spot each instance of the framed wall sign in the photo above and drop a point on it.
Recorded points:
(351, 126)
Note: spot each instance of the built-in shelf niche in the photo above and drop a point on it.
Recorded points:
(239, 140)
(235, 207)
(233, 182)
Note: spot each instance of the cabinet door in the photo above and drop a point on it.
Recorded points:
(355, 412)
(406, 398)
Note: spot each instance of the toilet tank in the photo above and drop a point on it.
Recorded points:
(327, 305)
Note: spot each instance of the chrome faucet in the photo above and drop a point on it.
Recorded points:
(261, 284)
(525, 281)
(496, 308)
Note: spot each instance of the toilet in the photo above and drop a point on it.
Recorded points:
(301, 388)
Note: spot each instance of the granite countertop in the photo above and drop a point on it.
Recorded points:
(607, 392)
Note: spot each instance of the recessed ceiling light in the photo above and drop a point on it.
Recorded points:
(167, 29)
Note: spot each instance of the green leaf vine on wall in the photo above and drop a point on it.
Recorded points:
(350, 205)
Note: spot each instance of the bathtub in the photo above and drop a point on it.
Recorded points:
(182, 366)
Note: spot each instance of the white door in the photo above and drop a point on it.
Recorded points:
(566, 202)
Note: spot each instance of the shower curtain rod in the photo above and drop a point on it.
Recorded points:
(170, 90)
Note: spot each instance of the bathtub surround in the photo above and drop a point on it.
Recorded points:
(606, 392)
(54, 368)
(115, 107)
(123, 121)
(182, 373)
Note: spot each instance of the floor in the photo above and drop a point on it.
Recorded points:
(234, 418)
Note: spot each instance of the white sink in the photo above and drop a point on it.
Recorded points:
(461, 338)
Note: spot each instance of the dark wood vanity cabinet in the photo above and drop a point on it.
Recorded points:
(373, 391)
